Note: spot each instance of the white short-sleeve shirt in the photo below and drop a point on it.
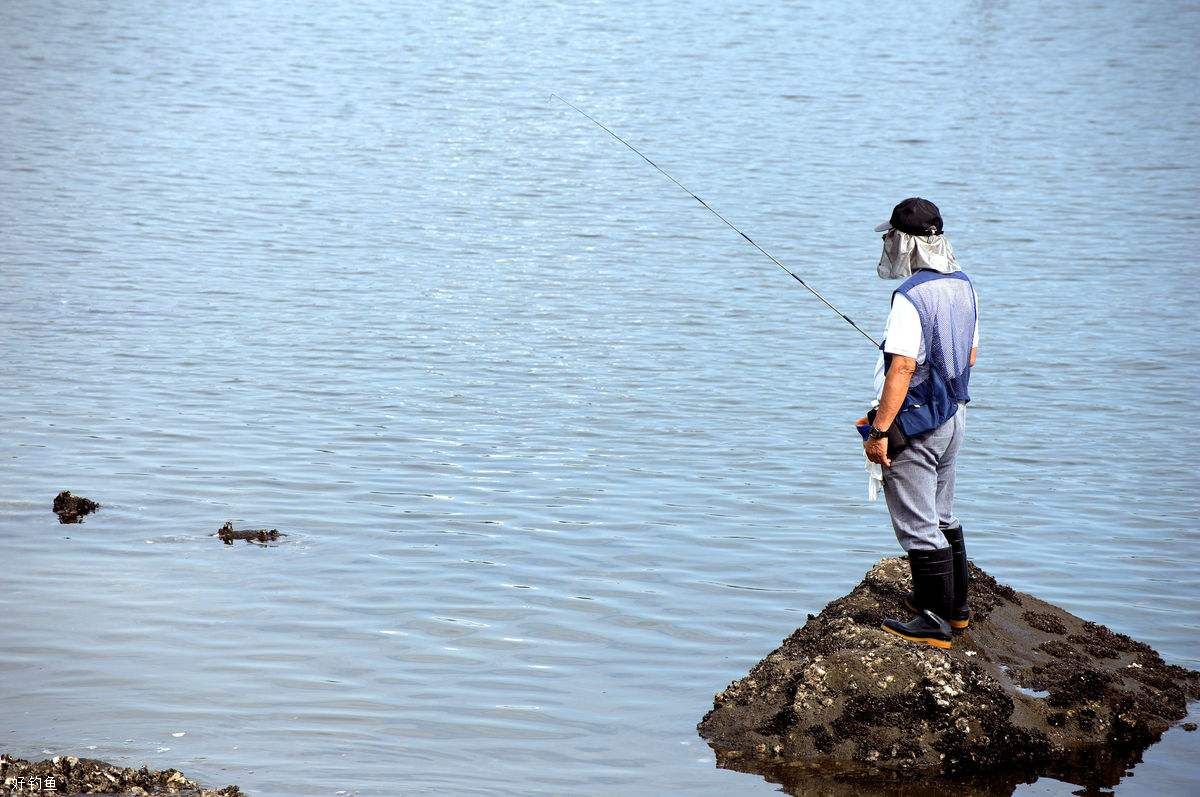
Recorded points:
(902, 335)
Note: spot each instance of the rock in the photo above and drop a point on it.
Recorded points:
(1028, 689)
(71, 775)
(227, 534)
(72, 508)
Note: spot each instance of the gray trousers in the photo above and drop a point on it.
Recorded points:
(919, 486)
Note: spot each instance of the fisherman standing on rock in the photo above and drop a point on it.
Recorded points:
(915, 433)
(917, 428)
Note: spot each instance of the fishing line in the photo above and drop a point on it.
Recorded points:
(709, 208)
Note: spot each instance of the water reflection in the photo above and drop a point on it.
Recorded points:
(1096, 773)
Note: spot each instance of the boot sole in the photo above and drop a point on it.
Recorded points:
(957, 625)
(937, 643)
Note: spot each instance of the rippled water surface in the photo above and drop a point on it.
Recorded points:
(558, 456)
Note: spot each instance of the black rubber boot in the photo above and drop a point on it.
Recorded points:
(959, 613)
(933, 590)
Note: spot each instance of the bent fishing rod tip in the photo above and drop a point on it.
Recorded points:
(727, 222)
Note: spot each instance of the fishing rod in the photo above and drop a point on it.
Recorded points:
(709, 208)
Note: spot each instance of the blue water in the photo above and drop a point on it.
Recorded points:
(557, 454)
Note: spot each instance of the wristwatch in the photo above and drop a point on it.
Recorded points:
(877, 434)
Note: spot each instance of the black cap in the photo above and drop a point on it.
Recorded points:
(914, 216)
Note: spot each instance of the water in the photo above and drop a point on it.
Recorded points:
(558, 455)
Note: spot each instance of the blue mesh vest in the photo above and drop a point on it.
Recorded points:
(946, 306)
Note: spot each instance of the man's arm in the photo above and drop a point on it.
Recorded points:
(895, 388)
(971, 362)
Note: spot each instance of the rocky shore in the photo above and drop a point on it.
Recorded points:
(1028, 689)
(68, 775)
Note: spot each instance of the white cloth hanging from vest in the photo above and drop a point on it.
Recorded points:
(874, 479)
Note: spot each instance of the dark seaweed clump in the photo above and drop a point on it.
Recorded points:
(227, 534)
(72, 508)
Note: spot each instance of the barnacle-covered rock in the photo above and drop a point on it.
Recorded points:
(71, 775)
(1028, 689)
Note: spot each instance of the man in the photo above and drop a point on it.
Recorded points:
(929, 347)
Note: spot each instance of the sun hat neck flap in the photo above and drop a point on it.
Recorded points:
(904, 254)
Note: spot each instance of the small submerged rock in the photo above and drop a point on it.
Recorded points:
(72, 508)
(1028, 689)
(227, 534)
(64, 775)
